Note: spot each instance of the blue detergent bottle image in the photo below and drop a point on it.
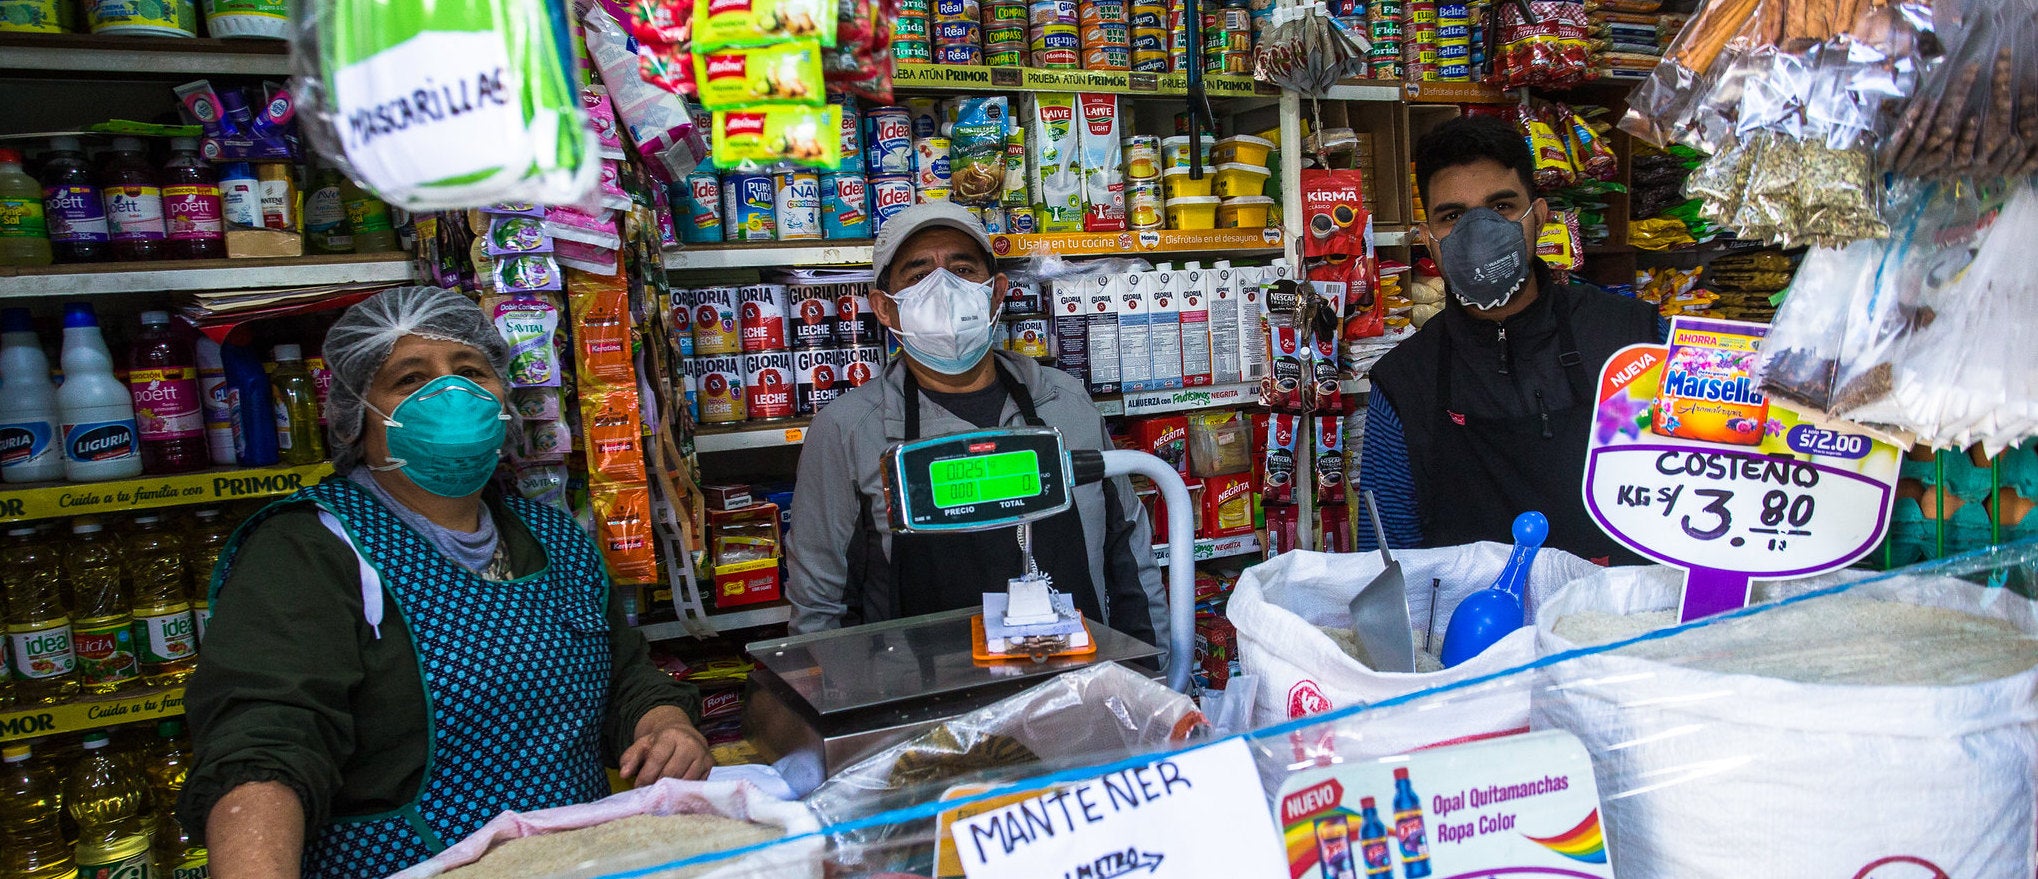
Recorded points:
(1408, 830)
(1334, 848)
(1373, 842)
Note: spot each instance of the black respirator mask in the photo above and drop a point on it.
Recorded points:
(1485, 259)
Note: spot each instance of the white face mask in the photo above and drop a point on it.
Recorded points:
(945, 321)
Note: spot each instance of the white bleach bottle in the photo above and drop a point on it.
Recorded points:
(30, 444)
(97, 410)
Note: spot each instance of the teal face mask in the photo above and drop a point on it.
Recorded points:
(446, 436)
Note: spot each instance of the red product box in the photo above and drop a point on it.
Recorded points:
(1166, 437)
(1227, 506)
(750, 580)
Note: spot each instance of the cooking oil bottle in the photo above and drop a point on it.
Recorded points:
(297, 433)
(104, 795)
(169, 761)
(31, 839)
(38, 628)
(165, 637)
(201, 554)
(104, 627)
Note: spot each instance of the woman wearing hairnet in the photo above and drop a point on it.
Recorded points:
(399, 654)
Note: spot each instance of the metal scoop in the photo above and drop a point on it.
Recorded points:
(1380, 610)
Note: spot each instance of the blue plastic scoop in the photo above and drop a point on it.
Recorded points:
(1488, 615)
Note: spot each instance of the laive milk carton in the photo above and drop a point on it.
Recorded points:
(1097, 145)
(1053, 141)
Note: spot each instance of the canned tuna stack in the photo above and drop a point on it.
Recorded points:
(1384, 18)
(1178, 36)
(1150, 36)
(913, 32)
(1106, 34)
(1454, 42)
(888, 161)
(1228, 39)
(1054, 38)
(1419, 42)
(959, 32)
(1005, 33)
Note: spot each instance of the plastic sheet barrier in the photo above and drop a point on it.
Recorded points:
(1858, 727)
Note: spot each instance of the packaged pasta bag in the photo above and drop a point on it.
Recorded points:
(976, 157)
(445, 105)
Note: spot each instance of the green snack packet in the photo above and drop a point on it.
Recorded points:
(738, 77)
(768, 134)
(718, 24)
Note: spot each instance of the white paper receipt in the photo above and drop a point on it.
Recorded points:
(1135, 820)
(442, 106)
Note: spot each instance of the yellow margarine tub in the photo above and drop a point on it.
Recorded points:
(1181, 186)
(1244, 149)
(1244, 212)
(1237, 178)
(1195, 212)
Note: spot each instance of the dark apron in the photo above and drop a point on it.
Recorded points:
(932, 573)
(1486, 471)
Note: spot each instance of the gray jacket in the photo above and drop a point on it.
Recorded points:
(840, 549)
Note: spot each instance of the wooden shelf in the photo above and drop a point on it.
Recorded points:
(85, 53)
(51, 500)
(171, 276)
(35, 721)
(971, 78)
(770, 255)
(1238, 242)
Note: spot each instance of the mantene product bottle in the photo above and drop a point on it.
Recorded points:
(31, 444)
(95, 408)
(104, 795)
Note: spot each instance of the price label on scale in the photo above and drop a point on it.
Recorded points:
(1691, 465)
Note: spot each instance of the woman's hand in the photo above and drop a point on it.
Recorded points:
(667, 746)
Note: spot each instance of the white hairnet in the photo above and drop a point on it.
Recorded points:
(358, 345)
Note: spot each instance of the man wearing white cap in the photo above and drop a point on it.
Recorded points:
(939, 292)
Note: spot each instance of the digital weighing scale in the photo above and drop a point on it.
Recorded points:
(831, 698)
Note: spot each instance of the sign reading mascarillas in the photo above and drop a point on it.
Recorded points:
(1135, 821)
(1520, 806)
(1691, 465)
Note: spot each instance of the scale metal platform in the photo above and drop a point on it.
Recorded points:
(832, 698)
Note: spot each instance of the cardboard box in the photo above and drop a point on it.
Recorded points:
(1052, 143)
(1165, 437)
(1164, 327)
(1192, 291)
(1100, 304)
(746, 581)
(1134, 305)
(1227, 506)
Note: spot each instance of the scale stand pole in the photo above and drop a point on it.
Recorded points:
(1181, 644)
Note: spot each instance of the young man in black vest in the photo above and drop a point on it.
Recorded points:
(1484, 413)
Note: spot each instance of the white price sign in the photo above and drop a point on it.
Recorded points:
(1692, 466)
(1132, 821)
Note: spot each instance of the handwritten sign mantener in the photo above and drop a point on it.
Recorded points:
(1131, 822)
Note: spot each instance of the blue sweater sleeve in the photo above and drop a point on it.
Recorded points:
(1385, 471)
